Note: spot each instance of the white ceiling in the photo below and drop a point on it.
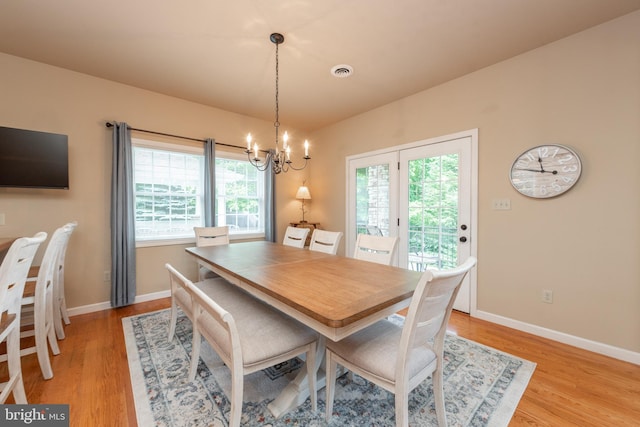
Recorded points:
(218, 53)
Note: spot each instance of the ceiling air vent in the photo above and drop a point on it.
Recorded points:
(342, 71)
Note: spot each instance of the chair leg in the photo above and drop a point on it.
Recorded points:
(53, 341)
(438, 394)
(59, 305)
(330, 380)
(64, 312)
(195, 354)
(402, 408)
(172, 320)
(42, 348)
(237, 390)
(57, 320)
(15, 369)
(51, 332)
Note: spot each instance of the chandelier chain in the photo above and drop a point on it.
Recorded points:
(277, 122)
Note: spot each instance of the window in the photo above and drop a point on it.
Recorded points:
(239, 196)
(169, 193)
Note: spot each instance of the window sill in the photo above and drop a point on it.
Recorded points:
(192, 240)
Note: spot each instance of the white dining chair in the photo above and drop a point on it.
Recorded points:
(13, 275)
(295, 236)
(325, 241)
(60, 314)
(375, 248)
(399, 358)
(378, 249)
(180, 299)
(210, 236)
(38, 303)
(247, 334)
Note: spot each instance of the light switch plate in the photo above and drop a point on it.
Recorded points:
(1, 219)
(501, 204)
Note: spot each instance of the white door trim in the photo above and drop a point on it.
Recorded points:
(473, 235)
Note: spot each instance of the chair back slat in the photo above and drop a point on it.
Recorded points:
(212, 236)
(325, 241)
(379, 249)
(295, 236)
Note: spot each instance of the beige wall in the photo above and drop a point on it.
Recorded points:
(584, 92)
(40, 97)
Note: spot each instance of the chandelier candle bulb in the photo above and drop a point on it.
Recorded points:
(248, 142)
(255, 151)
(306, 148)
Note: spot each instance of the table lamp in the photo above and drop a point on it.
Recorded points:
(303, 194)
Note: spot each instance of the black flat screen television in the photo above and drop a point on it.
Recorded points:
(33, 159)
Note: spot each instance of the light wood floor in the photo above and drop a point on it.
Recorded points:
(570, 387)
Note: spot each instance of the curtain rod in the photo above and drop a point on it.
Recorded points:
(109, 125)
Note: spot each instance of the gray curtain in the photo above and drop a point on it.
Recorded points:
(270, 205)
(123, 240)
(209, 182)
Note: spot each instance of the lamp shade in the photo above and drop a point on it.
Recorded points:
(303, 193)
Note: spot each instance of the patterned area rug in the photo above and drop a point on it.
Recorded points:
(482, 385)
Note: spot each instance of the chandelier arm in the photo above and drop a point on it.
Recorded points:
(256, 162)
(290, 164)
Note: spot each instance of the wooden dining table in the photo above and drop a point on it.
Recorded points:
(5, 244)
(332, 294)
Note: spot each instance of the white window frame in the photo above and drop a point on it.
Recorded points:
(242, 236)
(165, 146)
(157, 145)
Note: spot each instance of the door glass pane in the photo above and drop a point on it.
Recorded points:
(372, 200)
(433, 212)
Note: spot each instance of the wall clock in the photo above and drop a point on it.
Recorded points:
(545, 171)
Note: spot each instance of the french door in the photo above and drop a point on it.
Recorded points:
(372, 197)
(425, 194)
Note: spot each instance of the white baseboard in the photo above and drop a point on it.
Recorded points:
(585, 344)
(107, 305)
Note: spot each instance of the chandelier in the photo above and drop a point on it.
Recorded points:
(279, 159)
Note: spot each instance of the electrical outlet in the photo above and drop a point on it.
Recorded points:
(501, 204)
(106, 276)
(547, 296)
